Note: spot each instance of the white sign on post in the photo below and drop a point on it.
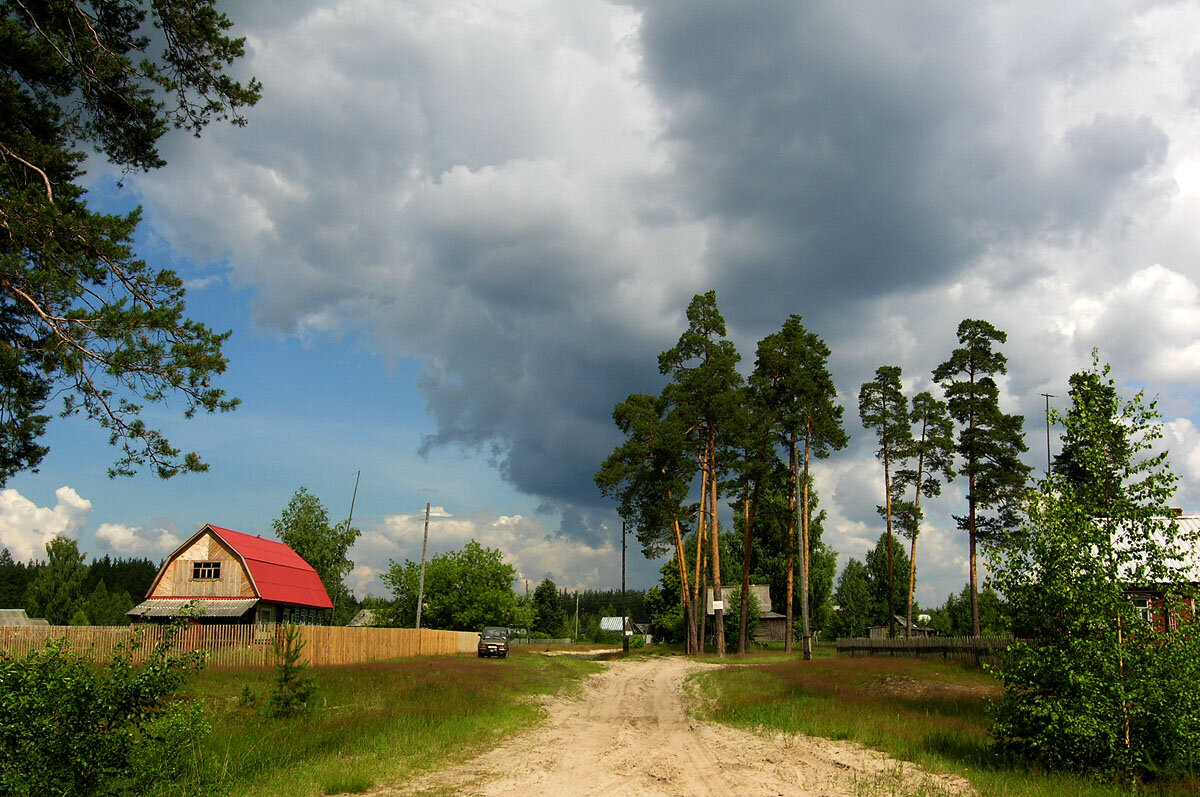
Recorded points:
(718, 605)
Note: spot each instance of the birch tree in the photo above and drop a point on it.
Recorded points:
(1096, 686)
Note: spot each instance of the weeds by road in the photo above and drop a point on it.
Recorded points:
(368, 724)
(931, 713)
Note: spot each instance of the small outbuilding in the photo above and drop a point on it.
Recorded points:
(224, 576)
(881, 631)
(772, 626)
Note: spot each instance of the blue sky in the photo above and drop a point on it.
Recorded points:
(454, 234)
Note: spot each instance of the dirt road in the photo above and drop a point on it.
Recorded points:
(627, 732)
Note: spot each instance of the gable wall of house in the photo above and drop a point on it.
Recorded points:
(177, 581)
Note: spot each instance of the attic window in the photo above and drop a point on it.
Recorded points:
(206, 571)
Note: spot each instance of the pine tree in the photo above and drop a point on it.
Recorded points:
(80, 315)
(927, 461)
(989, 441)
(884, 410)
(703, 392)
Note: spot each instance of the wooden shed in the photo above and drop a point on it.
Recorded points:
(225, 576)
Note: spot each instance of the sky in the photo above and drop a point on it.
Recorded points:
(454, 235)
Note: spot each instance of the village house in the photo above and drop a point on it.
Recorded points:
(225, 576)
(1149, 599)
(772, 626)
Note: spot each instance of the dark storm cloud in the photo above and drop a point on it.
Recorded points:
(524, 201)
(860, 153)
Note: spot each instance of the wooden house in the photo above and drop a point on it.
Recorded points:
(772, 626)
(225, 576)
(1149, 600)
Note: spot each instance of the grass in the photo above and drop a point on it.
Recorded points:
(368, 725)
(931, 713)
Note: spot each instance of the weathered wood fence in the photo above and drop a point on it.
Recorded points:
(963, 648)
(247, 645)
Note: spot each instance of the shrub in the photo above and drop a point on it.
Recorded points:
(70, 727)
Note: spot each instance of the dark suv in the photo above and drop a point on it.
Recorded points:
(493, 642)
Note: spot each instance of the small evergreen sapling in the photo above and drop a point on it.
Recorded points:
(294, 684)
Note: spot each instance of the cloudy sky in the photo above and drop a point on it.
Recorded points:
(455, 234)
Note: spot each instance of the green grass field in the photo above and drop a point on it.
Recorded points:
(368, 725)
(929, 712)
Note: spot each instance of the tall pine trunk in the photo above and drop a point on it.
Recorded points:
(715, 538)
(747, 541)
(805, 609)
(791, 537)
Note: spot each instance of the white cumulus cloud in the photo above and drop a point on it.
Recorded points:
(137, 540)
(25, 527)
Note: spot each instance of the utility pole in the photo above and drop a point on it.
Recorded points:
(352, 499)
(576, 615)
(624, 611)
(349, 520)
(1048, 397)
(421, 581)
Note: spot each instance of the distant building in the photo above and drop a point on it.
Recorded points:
(16, 618)
(881, 631)
(226, 576)
(772, 626)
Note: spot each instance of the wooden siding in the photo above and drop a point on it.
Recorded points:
(250, 645)
(177, 581)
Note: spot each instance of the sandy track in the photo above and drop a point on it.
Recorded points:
(627, 732)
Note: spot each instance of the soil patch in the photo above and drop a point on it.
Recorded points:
(627, 732)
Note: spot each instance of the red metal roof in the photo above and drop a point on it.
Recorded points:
(278, 572)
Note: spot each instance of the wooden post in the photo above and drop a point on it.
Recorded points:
(421, 580)
(624, 610)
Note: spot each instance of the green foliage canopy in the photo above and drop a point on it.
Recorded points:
(79, 313)
(304, 527)
(548, 615)
(1095, 684)
(70, 727)
(56, 592)
(464, 590)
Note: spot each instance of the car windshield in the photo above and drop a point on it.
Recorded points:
(495, 633)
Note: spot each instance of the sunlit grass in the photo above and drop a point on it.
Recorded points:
(932, 713)
(368, 724)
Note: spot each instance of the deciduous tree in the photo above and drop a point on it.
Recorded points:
(304, 527)
(80, 314)
(1097, 686)
(464, 590)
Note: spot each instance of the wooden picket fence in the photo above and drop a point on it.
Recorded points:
(245, 645)
(961, 648)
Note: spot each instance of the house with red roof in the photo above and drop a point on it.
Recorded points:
(226, 576)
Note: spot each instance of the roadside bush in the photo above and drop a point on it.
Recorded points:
(68, 726)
